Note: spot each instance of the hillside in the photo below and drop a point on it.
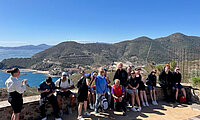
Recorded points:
(143, 49)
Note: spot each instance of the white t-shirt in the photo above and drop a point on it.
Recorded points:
(67, 83)
(13, 84)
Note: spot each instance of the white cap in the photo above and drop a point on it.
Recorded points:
(64, 73)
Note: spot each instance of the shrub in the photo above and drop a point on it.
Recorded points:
(196, 81)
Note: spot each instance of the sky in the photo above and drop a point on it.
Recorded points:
(24, 22)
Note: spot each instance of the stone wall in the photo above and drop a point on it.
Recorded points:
(30, 109)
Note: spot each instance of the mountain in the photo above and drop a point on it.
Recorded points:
(143, 49)
(27, 47)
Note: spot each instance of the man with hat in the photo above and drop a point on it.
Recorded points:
(64, 85)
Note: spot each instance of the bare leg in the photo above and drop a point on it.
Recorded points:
(80, 108)
(176, 94)
(133, 99)
(137, 98)
(89, 97)
(59, 99)
(184, 92)
(73, 98)
(85, 106)
(145, 96)
(93, 96)
(154, 94)
(141, 96)
(151, 95)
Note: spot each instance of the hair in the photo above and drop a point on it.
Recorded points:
(95, 72)
(101, 69)
(119, 64)
(117, 80)
(13, 70)
(82, 71)
(48, 79)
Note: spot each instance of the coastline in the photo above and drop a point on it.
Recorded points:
(35, 71)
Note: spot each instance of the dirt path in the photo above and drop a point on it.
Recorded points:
(163, 111)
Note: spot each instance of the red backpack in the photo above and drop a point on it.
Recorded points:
(182, 99)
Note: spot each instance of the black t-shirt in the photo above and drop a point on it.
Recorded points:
(176, 77)
(82, 85)
(122, 75)
(133, 82)
(44, 86)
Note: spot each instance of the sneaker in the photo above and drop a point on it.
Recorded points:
(91, 107)
(147, 104)
(139, 109)
(58, 118)
(80, 118)
(155, 103)
(133, 109)
(44, 118)
(87, 113)
(143, 104)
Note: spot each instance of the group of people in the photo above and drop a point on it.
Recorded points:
(95, 90)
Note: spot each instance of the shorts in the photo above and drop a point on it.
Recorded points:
(66, 94)
(16, 101)
(177, 86)
(82, 96)
(130, 91)
(150, 87)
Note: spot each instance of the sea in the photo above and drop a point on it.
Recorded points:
(34, 79)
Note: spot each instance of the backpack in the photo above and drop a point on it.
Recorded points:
(182, 99)
(60, 83)
(103, 102)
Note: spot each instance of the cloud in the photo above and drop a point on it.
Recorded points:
(13, 43)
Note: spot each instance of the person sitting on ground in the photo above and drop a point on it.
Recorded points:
(177, 82)
(47, 90)
(165, 81)
(101, 88)
(91, 77)
(64, 85)
(151, 82)
(133, 85)
(118, 93)
(141, 88)
(82, 85)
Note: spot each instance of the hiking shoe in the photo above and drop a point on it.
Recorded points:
(87, 113)
(133, 109)
(139, 109)
(80, 118)
(147, 104)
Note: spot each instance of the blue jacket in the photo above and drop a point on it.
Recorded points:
(101, 84)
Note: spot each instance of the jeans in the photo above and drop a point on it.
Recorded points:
(53, 101)
(97, 102)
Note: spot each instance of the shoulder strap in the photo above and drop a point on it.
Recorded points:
(59, 83)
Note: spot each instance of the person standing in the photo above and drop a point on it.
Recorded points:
(47, 90)
(101, 88)
(151, 82)
(82, 95)
(15, 90)
(121, 74)
(165, 81)
(177, 82)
